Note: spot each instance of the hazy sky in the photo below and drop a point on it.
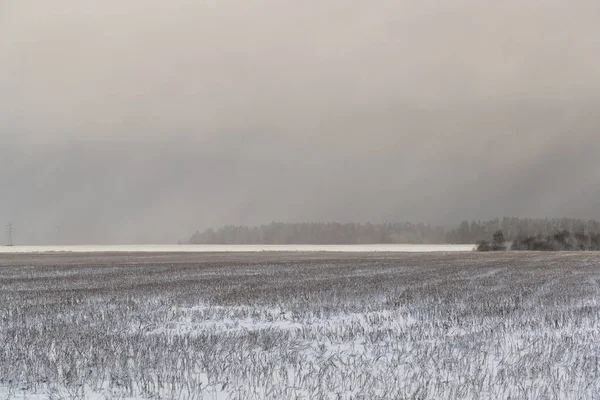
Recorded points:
(144, 120)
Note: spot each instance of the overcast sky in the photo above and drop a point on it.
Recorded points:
(128, 121)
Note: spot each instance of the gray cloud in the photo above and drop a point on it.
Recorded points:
(142, 121)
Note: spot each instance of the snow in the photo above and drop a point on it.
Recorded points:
(409, 326)
(404, 248)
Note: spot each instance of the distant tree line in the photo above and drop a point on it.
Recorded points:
(498, 243)
(559, 241)
(322, 233)
(516, 228)
(357, 233)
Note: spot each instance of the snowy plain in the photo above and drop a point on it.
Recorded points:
(188, 248)
(300, 325)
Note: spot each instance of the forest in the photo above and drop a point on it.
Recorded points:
(404, 232)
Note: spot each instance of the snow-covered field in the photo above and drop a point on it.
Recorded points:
(190, 248)
(310, 326)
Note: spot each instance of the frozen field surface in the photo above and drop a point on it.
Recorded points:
(303, 325)
(242, 248)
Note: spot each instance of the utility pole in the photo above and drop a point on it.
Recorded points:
(9, 231)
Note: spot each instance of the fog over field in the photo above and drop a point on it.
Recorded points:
(143, 121)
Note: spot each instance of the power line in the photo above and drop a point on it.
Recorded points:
(9, 231)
